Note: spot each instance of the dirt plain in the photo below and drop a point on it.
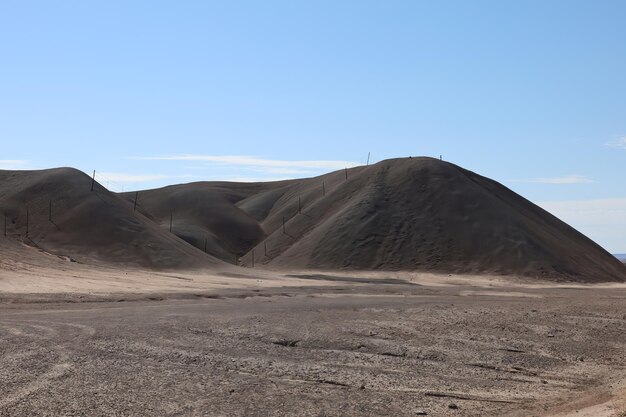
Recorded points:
(259, 343)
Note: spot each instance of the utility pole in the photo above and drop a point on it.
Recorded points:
(368, 158)
(93, 179)
(136, 197)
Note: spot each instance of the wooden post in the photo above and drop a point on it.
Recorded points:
(5, 224)
(93, 179)
(284, 232)
(441, 157)
(265, 248)
(205, 245)
(27, 222)
(346, 170)
(252, 258)
(368, 158)
(299, 205)
(323, 189)
(171, 219)
(236, 260)
(136, 197)
(50, 211)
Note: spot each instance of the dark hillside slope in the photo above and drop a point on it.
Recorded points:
(206, 212)
(88, 225)
(425, 214)
(230, 218)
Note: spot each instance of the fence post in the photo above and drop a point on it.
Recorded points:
(135, 205)
(205, 245)
(252, 258)
(171, 219)
(346, 170)
(5, 225)
(27, 222)
(50, 211)
(265, 248)
(323, 189)
(368, 159)
(299, 206)
(93, 179)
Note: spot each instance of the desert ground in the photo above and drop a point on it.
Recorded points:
(93, 341)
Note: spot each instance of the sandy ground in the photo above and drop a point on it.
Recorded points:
(84, 341)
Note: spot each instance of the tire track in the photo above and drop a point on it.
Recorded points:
(41, 382)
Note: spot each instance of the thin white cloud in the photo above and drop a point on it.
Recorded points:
(566, 179)
(252, 161)
(617, 143)
(12, 163)
(287, 171)
(118, 177)
(251, 179)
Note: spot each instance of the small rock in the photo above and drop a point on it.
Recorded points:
(421, 413)
(543, 381)
(453, 406)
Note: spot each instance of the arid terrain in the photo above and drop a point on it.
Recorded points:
(263, 343)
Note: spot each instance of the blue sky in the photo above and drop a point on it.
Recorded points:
(530, 93)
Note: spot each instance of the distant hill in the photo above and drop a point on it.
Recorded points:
(91, 226)
(207, 213)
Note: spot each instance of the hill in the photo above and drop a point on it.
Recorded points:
(205, 215)
(399, 214)
(56, 211)
(422, 213)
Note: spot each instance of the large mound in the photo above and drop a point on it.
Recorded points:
(205, 215)
(227, 219)
(400, 214)
(56, 211)
(422, 213)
